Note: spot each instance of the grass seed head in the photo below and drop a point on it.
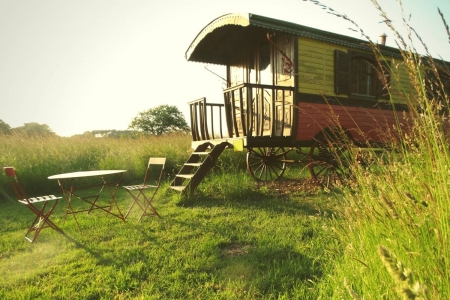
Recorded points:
(406, 286)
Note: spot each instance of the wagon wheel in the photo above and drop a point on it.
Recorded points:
(266, 163)
(330, 162)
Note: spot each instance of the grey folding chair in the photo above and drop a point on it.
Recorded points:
(42, 219)
(152, 182)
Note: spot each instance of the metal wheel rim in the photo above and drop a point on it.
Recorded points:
(266, 163)
(325, 169)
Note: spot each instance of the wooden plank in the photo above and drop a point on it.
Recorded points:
(179, 188)
(188, 176)
(193, 164)
(374, 123)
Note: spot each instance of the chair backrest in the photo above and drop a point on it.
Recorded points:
(158, 164)
(14, 181)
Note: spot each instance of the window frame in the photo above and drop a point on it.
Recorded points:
(364, 72)
(344, 74)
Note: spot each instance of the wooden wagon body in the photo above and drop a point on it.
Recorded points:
(288, 84)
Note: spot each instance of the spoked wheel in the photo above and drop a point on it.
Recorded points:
(329, 162)
(266, 163)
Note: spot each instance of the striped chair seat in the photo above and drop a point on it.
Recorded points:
(40, 199)
(139, 187)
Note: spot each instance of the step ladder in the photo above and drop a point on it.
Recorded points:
(202, 159)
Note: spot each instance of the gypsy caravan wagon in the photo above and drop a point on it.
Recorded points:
(288, 87)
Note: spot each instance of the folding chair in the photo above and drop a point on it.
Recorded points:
(42, 219)
(155, 168)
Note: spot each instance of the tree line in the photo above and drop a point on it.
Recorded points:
(31, 129)
(154, 121)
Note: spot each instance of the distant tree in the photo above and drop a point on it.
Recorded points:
(4, 128)
(161, 119)
(113, 133)
(35, 129)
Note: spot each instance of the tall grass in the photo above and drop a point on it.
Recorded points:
(397, 219)
(37, 158)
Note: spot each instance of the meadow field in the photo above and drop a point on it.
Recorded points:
(382, 235)
(234, 238)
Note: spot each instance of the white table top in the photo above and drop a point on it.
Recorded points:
(85, 174)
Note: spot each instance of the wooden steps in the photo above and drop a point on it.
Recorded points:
(202, 159)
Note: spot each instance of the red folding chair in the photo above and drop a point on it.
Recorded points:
(42, 219)
(155, 171)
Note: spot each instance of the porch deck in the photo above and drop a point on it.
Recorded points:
(250, 113)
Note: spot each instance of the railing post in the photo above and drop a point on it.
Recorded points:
(273, 120)
(283, 110)
(234, 110)
(261, 114)
(194, 126)
(250, 117)
(211, 134)
(220, 122)
(203, 119)
(228, 113)
(243, 111)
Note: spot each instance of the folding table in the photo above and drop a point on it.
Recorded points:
(73, 184)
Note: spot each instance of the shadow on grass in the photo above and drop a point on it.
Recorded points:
(267, 269)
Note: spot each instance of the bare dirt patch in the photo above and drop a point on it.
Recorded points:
(235, 249)
(285, 187)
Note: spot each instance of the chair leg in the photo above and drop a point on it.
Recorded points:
(69, 210)
(144, 204)
(35, 227)
(150, 206)
(132, 205)
(135, 201)
(153, 213)
(41, 221)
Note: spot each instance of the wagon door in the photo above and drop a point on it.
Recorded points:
(264, 64)
(284, 66)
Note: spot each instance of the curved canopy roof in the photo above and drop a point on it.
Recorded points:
(225, 40)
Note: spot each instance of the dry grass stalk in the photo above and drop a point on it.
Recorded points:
(414, 200)
(351, 292)
(445, 24)
(389, 206)
(406, 286)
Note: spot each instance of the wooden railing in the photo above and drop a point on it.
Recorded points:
(258, 110)
(203, 125)
(248, 110)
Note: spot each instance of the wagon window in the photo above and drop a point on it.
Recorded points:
(362, 77)
(358, 74)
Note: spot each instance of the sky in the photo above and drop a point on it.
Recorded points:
(83, 65)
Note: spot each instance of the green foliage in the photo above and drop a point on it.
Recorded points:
(161, 119)
(31, 129)
(111, 133)
(4, 127)
(34, 129)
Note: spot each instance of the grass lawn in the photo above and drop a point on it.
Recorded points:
(233, 239)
